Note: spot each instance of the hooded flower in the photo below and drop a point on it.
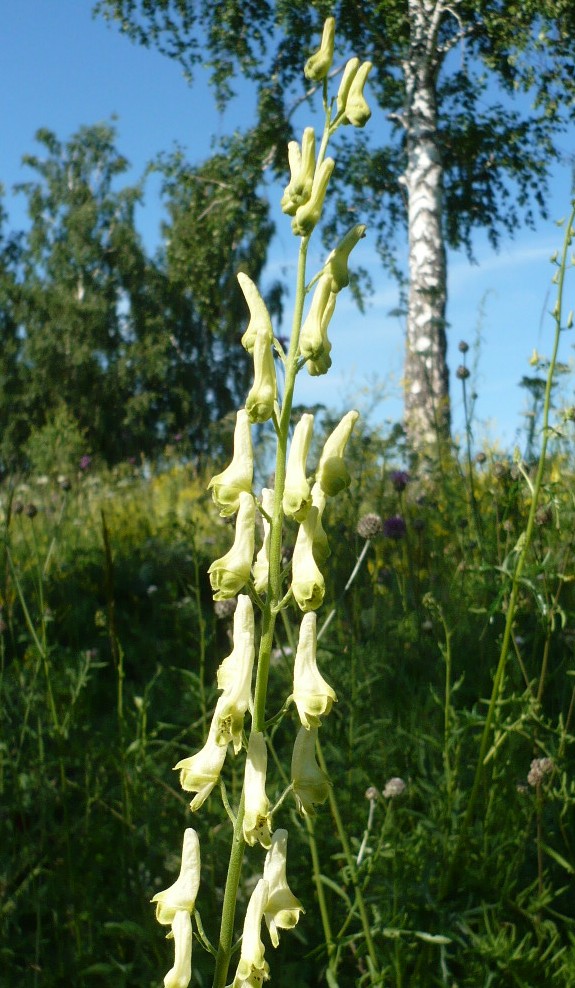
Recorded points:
(252, 968)
(180, 975)
(310, 784)
(317, 67)
(235, 677)
(200, 772)
(336, 264)
(227, 486)
(260, 321)
(308, 585)
(230, 573)
(312, 696)
(302, 168)
(320, 546)
(307, 216)
(257, 810)
(261, 566)
(313, 341)
(297, 494)
(357, 111)
(332, 473)
(348, 75)
(261, 398)
(282, 909)
(182, 894)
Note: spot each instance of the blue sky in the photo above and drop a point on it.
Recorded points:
(61, 69)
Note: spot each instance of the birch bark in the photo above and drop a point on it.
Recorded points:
(426, 380)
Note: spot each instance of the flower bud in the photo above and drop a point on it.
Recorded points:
(356, 109)
(332, 473)
(180, 975)
(302, 170)
(347, 78)
(260, 401)
(261, 567)
(230, 573)
(282, 909)
(297, 495)
(235, 677)
(238, 476)
(308, 585)
(310, 784)
(321, 549)
(200, 772)
(313, 341)
(317, 67)
(307, 216)
(312, 696)
(259, 316)
(253, 969)
(182, 894)
(256, 824)
(337, 261)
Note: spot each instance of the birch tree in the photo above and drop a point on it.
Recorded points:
(473, 98)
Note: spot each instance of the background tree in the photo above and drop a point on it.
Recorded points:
(474, 95)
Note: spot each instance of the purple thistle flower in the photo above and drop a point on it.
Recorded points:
(85, 462)
(394, 527)
(399, 479)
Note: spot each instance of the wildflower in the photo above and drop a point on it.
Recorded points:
(200, 772)
(393, 788)
(462, 346)
(337, 261)
(261, 398)
(282, 909)
(540, 767)
(30, 510)
(181, 896)
(332, 473)
(349, 74)
(313, 697)
(235, 677)
(227, 486)
(370, 526)
(357, 111)
(308, 214)
(256, 823)
(302, 169)
(462, 372)
(260, 569)
(399, 480)
(310, 784)
(85, 462)
(308, 585)
(320, 546)
(253, 969)
(318, 65)
(394, 527)
(259, 316)
(230, 573)
(180, 975)
(313, 341)
(297, 495)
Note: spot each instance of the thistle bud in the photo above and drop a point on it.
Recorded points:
(308, 585)
(261, 399)
(332, 473)
(230, 573)
(227, 486)
(256, 825)
(282, 909)
(312, 696)
(337, 261)
(357, 111)
(261, 567)
(317, 67)
(307, 216)
(302, 170)
(259, 316)
(310, 784)
(297, 494)
(313, 341)
(347, 78)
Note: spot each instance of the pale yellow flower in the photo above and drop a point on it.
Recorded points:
(320, 546)
(308, 585)
(261, 567)
(230, 573)
(200, 772)
(297, 494)
(261, 399)
(227, 486)
(180, 975)
(313, 697)
(313, 341)
(348, 75)
(282, 909)
(302, 169)
(259, 316)
(318, 65)
(356, 109)
(253, 968)
(332, 473)
(308, 215)
(337, 262)
(182, 894)
(235, 676)
(310, 784)
(256, 823)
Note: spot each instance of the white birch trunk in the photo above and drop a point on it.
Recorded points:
(426, 381)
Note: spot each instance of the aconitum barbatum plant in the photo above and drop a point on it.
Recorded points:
(298, 499)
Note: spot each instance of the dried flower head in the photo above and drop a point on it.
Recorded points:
(370, 526)
(394, 787)
(540, 767)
